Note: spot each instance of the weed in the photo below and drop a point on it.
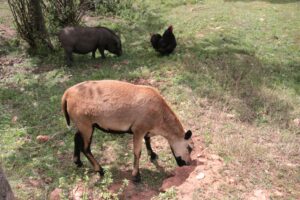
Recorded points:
(207, 138)
(170, 194)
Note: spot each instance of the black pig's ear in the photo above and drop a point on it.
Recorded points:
(188, 135)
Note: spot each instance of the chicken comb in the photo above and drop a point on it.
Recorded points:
(170, 28)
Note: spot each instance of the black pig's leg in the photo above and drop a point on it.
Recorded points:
(101, 50)
(78, 147)
(153, 156)
(93, 54)
(86, 133)
(69, 56)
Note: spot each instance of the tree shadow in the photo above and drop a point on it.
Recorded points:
(8, 45)
(133, 190)
(227, 65)
(149, 186)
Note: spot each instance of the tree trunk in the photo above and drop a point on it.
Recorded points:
(29, 20)
(5, 189)
(38, 24)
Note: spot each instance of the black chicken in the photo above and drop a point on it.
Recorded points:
(164, 44)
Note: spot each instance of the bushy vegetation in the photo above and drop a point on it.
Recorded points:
(30, 24)
(61, 13)
(112, 7)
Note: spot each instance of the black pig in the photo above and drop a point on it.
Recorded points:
(83, 40)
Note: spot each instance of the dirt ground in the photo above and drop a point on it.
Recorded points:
(202, 177)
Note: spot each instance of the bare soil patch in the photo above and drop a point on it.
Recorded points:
(7, 66)
(185, 179)
(134, 191)
(7, 32)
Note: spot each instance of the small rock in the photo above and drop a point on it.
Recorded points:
(42, 138)
(200, 155)
(78, 192)
(34, 183)
(200, 176)
(230, 116)
(297, 122)
(55, 194)
(292, 165)
(35, 104)
(260, 195)
(231, 181)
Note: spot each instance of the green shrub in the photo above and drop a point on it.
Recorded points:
(111, 7)
(126, 9)
(61, 13)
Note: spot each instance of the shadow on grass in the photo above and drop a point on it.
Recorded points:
(8, 45)
(146, 189)
(152, 178)
(223, 67)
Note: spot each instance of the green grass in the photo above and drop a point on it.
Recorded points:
(239, 57)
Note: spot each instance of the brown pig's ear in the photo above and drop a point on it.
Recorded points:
(188, 135)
